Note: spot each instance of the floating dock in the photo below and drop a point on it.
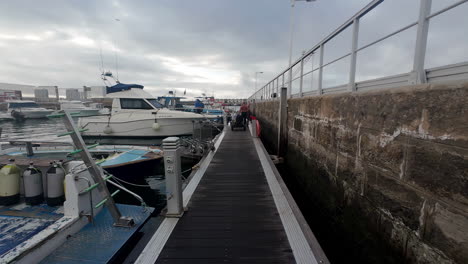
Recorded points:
(238, 210)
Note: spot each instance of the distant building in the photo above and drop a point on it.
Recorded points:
(72, 95)
(24, 89)
(10, 95)
(41, 95)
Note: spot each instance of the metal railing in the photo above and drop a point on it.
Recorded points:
(296, 72)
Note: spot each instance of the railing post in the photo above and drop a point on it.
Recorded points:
(352, 67)
(290, 82)
(173, 177)
(419, 73)
(320, 75)
(277, 88)
(302, 77)
(312, 72)
(282, 122)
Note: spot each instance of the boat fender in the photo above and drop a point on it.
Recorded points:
(156, 126)
(55, 190)
(107, 130)
(32, 180)
(9, 184)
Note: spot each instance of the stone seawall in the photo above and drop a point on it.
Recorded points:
(391, 165)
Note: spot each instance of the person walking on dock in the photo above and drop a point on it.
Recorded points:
(244, 109)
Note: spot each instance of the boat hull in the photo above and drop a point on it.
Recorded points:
(34, 114)
(133, 129)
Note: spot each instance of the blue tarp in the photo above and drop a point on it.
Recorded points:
(122, 87)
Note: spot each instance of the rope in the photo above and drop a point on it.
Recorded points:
(133, 184)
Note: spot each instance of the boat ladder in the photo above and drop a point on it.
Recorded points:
(93, 168)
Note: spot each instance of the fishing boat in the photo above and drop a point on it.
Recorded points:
(79, 227)
(20, 109)
(137, 114)
(57, 211)
(117, 160)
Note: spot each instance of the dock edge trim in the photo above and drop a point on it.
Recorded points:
(157, 242)
(305, 246)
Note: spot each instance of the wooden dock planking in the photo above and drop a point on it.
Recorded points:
(232, 217)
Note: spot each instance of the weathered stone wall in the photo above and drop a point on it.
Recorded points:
(267, 114)
(395, 160)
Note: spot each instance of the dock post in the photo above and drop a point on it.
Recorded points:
(172, 168)
(29, 149)
(282, 122)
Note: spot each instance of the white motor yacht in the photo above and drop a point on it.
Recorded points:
(26, 110)
(79, 108)
(137, 114)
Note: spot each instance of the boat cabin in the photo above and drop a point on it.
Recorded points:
(22, 104)
(134, 99)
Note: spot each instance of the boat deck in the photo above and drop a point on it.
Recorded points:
(21, 222)
(100, 242)
(238, 213)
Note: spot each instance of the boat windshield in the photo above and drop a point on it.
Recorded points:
(155, 103)
(25, 105)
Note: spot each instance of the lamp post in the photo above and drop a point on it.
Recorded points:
(256, 76)
(291, 31)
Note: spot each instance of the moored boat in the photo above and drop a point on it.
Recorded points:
(136, 114)
(20, 109)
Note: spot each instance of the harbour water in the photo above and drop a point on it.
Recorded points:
(31, 128)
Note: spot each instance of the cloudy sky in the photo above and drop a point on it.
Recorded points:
(212, 46)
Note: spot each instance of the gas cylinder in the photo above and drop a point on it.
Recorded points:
(32, 180)
(9, 184)
(55, 193)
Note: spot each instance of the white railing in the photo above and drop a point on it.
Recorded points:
(295, 73)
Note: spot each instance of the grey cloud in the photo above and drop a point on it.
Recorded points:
(238, 37)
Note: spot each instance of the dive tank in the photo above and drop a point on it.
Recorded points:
(9, 184)
(55, 193)
(32, 180)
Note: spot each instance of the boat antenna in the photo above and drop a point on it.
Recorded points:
(102, 60)
(116, 66)
(116, 57)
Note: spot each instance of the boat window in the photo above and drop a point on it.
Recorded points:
(134, 104)
(155, 103)
(19, 105)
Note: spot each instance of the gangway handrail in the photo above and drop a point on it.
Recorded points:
(417, 75)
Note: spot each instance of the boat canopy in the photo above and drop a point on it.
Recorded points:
(122, 87)
(23, 105)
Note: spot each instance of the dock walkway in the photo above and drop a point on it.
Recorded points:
(233, 215)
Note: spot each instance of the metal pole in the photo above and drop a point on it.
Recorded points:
(419, 74)
(312, 72)
(301, 77)
(352, 67)
(57, 94)
(173, 174)
(320, 77)
(291, 31)
(256, 76)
